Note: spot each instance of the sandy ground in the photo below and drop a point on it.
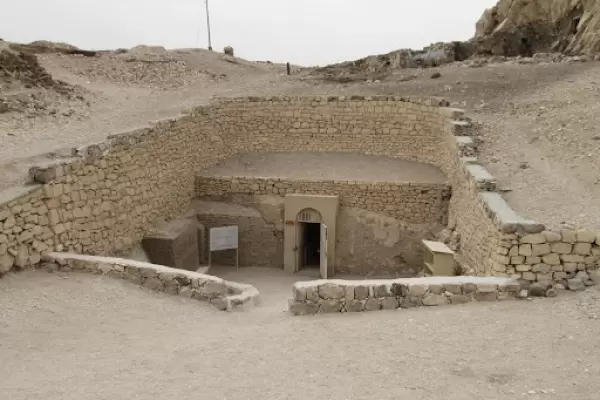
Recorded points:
(82, 336)
(318, 166)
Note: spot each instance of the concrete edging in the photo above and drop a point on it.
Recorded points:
(224, 295)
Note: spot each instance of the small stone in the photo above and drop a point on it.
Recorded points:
(299, 294)
(410, 302)
(312, 294)
(575, 284)
(417, 290)
(559, 286)
(436, 75)
(381, 291)
(582, 275)
(524, 165)
(436, 289)
(523, 294)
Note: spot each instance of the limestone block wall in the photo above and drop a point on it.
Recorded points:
(260, 243)
(417, 203)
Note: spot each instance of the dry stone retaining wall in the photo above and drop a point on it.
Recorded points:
(106, 197)
(224, 295)
(334, 296)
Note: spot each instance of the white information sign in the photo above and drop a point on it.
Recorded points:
(223, 238)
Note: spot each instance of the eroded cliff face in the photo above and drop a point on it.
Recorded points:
(524, 27)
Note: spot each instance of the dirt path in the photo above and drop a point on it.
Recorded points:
(83, 336)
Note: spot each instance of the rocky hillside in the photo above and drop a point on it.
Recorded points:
(524, 27)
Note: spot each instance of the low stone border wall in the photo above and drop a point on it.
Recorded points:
(333, 296)
(222, 294)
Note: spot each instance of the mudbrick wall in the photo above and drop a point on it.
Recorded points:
(109, 194)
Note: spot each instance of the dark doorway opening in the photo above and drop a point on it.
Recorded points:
(311, 245)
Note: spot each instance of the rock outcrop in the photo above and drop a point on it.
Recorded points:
(524, 27)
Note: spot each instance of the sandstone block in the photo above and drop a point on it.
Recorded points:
(361, 292)
(372, 304)
(557, 276)
(355, 305)
(312, 294)
(331, 306)
(586, 236)
(331, 291)
(417, 290)
(213, 289)
(562, 248)
(540, 249)
(541, 268)
(381, 291)
(299, 294)
(4, 214)
(349, 292)
(514, 251)
(435, 300)
(537, 290)
(453, 288)
(552, 236)
(535, 238)
(572, 258)
(436, 289)
(551, 259)
(575, 284)
(523, 268)
(570, 267)
(582, 248)
(487, 288)
(569, 236)
(517, 260)
(529, 276)
(594, 277)
(410, 302)
(6, 263)
(389, 303)
(469, 288)
(525, 250)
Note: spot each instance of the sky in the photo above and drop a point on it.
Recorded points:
(304, 32)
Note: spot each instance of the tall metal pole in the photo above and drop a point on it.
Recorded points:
(208, 26)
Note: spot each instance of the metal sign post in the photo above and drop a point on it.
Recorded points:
(224, 238)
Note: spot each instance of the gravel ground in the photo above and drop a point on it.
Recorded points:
(317, 166)
(82, 336)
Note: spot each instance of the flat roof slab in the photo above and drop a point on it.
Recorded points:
(327, 166)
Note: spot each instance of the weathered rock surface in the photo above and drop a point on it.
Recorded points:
(524, 27)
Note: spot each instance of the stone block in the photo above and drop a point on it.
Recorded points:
(570, 267)
(373, 304)
(557, 276)
(535, 238)
(533, 260)
(435, 300)
(349, 292)
(523, 268)
(171, 288)
(517, 260)
(582, 248)
(331, 291)
(331, 306)
(174, 244)
(389, 303)
(572, 258)
(355, 305)
(537, 290)
(575, 284)
(417, 290)
(213, 289)
(381, 291)
(487, 288)
(586, 236)
(540, 249)
(552, 236)
(410, 302)
(529, 276)
(299, 294)
(361, 292)
(469, 288)
(562, 248)
(525, 250)
(436, 289)
(312, 294)
(453, 288)
(551, 259)
(541, 268)
(509, 287)
(569, 236)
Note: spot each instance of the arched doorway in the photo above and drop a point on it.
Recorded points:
(308, 239)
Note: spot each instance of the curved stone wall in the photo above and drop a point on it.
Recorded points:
(104, 199)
